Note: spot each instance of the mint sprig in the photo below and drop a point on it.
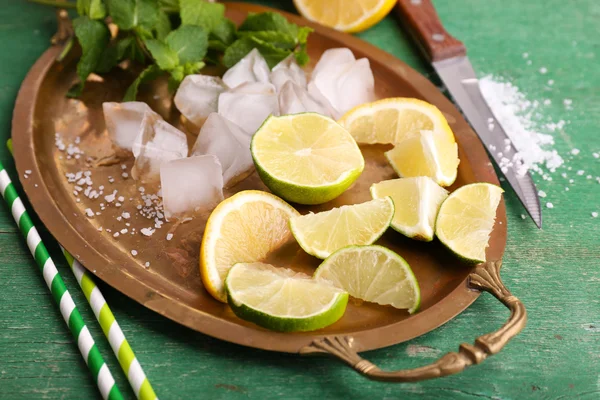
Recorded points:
(176, 38)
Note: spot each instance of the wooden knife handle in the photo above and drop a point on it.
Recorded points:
(425, 26)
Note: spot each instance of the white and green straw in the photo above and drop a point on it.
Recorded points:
(85, 342)
(127, 359)
(131, 366)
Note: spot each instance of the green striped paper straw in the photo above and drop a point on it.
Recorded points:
(132, 368)
(85, 342)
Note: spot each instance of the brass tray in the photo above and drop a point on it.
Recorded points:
(171, 285)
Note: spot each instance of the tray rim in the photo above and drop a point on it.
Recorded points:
(51, 216)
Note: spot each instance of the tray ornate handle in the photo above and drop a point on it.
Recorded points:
(485, 277)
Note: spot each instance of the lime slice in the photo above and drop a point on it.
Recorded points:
(281, 299)
(466, 219)
(246, 227)
(372, 273)
(417, 203)
(306, 158)
(394, 119)
(360, 224)
(428, 153)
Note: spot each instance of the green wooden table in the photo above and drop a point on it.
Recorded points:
(555, 271)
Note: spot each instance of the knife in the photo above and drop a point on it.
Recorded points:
(449, 59)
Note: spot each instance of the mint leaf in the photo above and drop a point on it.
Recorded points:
(177, 75)
(165, 57)
(217, 45)
(224, 32)
(169, 6)
(303, 33)
(189, 42)
(237, 51)
(201, 13)
(112, 55)
(94, 9)
(275, 38)
(269, 21)
(192, 68)
(302, 57)
(243, 46)
(163, 25)
(271, 53)
(150, 73)
(93, 36)
(128, 14)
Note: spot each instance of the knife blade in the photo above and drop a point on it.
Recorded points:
(449, 59)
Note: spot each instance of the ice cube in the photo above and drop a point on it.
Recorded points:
(288, 70)
(294, 99)
(249, 104)
(251, 68)
(190, 184)
(124, 120)
(157, 143)
(198, 96)
(345, 85)
(332, 58)
(231, 145)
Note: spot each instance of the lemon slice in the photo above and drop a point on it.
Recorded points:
(244, 228)
(306, 158)
(281, 299)
(394, 119)
(372, 273)
(426, 154)
(360, 224)
(418, 201)
(345, 15)
(466, 219)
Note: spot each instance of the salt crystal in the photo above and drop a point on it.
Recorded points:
(121, 199)
(134, 253)
(516, 115)
(566, 189)
(571, 181)
(543, 70)
(523, 216)
(116, 234)
(89, 212)
(169, 236)
(125, 175)
(123, 166)
(541, 193)
(580, 172)
(123, 231)
(549, 205)
(525, 55)
(125, 215)
(111, 197)
(147, 231)
(594, 214)
(547, 102)
(198, 96)
(588, 177)
(147, 264)
(551, 82)
(567, 102)
(99, 229)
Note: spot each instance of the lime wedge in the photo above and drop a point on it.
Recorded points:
(466, 219)
(306, 158)
(417, 203)
(281, 299)
(372, 273)
(360, 224)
